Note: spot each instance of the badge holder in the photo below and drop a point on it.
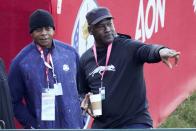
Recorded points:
(57, 86)
(102, 91)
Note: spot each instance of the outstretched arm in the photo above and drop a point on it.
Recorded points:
(166, 54)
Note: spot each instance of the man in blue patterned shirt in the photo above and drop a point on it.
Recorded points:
(43, 79)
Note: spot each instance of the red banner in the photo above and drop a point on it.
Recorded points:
(171, 23)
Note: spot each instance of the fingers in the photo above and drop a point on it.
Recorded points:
(85, 105)
(166, 54)
(176, 56)
(172, 53)
(85, 101)
(167, 63)
(89, 111)
(177, 59)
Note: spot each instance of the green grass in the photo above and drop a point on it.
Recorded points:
(184, 116)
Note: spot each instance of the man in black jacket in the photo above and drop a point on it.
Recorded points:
(6, 112)
(113, 67)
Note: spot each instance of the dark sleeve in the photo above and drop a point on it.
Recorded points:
(83, 83)
(78, 78)
(148, 53)
(17, 88)
(6, 109)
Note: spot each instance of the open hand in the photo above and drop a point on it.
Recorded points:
(166, 54)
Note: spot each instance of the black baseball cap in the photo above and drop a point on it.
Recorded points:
(98, 14)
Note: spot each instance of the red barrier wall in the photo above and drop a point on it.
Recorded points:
(171, 23)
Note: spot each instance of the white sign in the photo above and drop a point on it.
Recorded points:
(81, 39)
(144, 29)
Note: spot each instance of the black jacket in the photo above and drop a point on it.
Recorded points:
(125, 98)
(6, 110)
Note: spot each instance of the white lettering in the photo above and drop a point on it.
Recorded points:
(149, 30)
(194, 4)
(140, 20)
(160, 12)
(143, 30)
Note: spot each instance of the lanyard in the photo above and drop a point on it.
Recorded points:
(48, 62)
(107, 57)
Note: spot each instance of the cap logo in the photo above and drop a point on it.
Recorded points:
(81, 39)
